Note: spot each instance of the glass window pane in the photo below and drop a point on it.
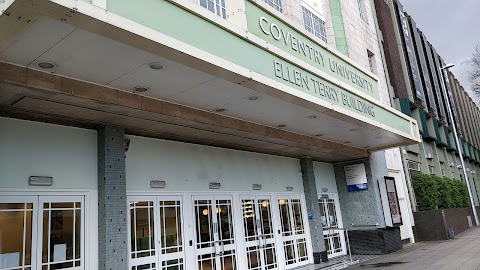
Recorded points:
(62, 205)
(13, 226)
(46, 218)
(61, 236)
(78, 230)
(170, 227)
(11, 206)
(28, 238)
(285, 217)
(141, 229)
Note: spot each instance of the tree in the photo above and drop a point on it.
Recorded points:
(474, 75)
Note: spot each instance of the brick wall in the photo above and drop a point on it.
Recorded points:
(375, 242)
(429, 226)
(433, 225)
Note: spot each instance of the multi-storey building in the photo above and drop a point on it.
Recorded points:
(177, 134)
(417, 79)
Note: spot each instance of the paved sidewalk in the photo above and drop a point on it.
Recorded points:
(461, 253)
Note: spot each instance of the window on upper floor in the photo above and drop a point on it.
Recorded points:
(362, 8)
(313, 18)
(413, 167)
(276, 4)
(371, 62)
(215, 6)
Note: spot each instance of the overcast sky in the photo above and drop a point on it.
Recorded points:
(452, 27)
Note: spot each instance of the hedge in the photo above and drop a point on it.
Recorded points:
(434, 192)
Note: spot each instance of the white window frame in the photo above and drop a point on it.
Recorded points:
(310, 15)
(362, 9)
(276, 4)
(219, 7)
(90, 209)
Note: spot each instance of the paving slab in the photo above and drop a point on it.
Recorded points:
(461, 253)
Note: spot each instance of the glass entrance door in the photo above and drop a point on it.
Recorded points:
(259, 233)
(18, 214)
(42, 232)
(214, 231)
(61, 232)
(331, 221)
(156, 232)
(292, 232)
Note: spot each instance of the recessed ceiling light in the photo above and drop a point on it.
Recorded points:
(311, 117)
(220, 110)
(252, 98)
(46, 65)
(281, 125)
(140, 89)
(156, 65)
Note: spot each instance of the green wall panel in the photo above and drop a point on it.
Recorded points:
(163, 16)
(338, 28)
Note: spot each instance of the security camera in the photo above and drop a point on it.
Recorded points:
(459, 166)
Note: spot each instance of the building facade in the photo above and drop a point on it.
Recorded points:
(196, 135)
(417, 80)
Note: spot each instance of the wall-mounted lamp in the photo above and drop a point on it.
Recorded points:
(40, 180)
(256, 187)
(157, 184)
(214, 185)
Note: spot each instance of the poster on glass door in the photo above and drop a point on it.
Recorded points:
(356, 177)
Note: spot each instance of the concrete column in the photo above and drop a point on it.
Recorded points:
(112, 200)
(313, 209)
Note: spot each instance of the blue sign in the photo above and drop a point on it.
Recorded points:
(357, 187)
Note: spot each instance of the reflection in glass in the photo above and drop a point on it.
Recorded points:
(171, 227)
(228, 261)
(224, 221)
(176, 264)
(297, 216)
(289, 252)
(141, 230)
(285, 217)
(206, 262)
(61, 236)
(15, 233)
(204, 223)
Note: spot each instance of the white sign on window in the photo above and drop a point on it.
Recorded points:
(59, 252)
(8, 260)
(356, 177)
